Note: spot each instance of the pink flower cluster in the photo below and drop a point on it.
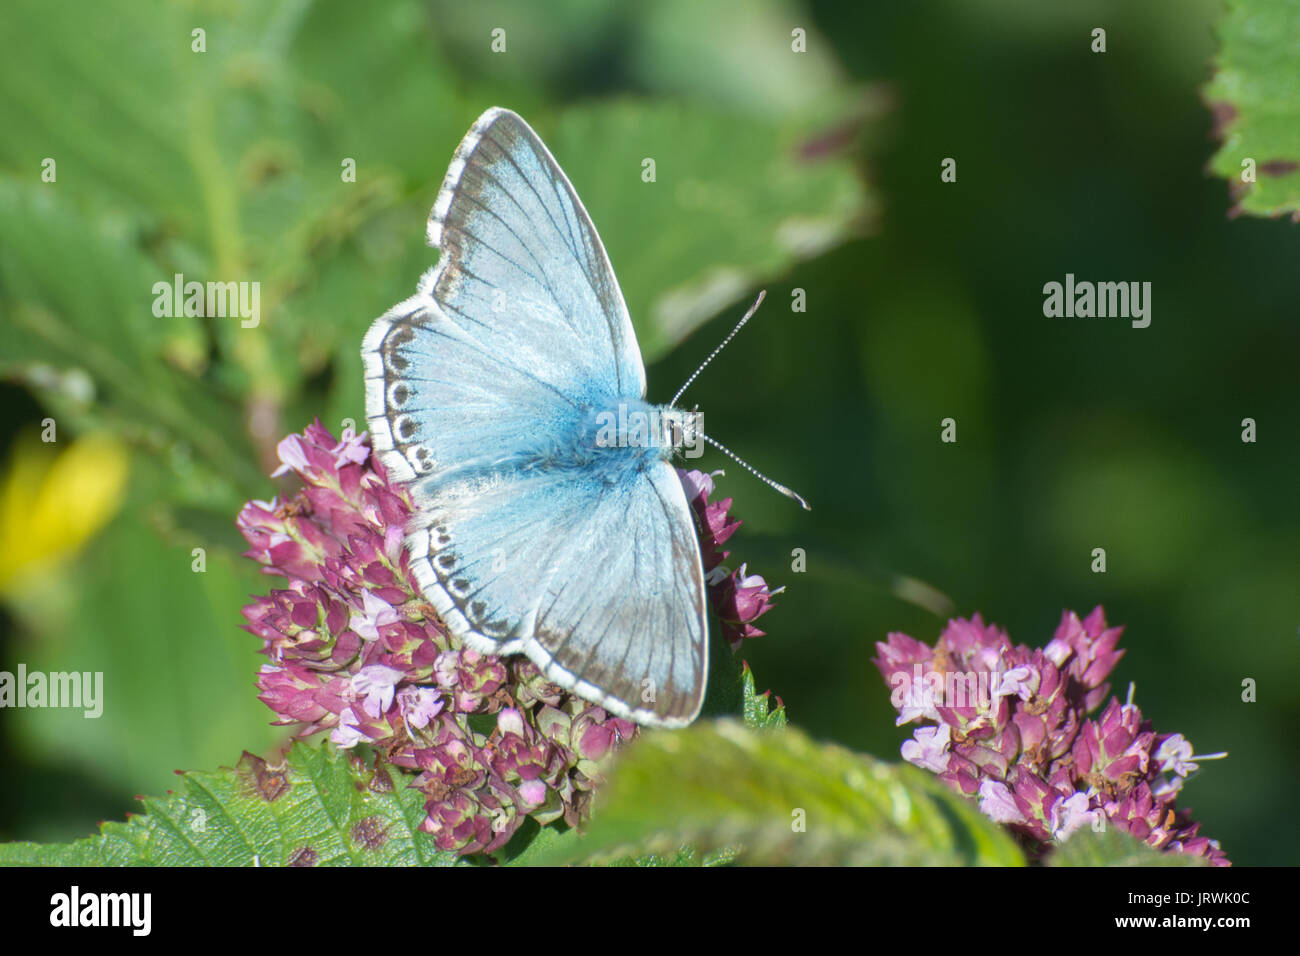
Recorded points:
(1009, 724)
(356, 650)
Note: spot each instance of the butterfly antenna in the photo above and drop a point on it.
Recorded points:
(712, 355)
(754, 471)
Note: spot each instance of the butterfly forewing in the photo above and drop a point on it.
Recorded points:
(516, 241)
(628, 622)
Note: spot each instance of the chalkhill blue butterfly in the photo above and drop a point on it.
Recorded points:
(508, 396)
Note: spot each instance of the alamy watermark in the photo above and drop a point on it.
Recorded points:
(1085, 300)
(214, 300)
(650, 426)
(75, 908)
(55, 689)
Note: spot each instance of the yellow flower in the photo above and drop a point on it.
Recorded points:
(52, 502)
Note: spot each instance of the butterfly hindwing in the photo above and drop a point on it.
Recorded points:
(472, 389)
(551, 566)
(628, 623)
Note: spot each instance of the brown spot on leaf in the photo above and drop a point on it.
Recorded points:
(273, 784)
(303, 856)
(370, 833)
(1278, 167)
(381, 781)
(258, 777)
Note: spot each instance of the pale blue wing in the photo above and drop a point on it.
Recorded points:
(626, 627)
(522, 261)
(599, 582)
(473, 387)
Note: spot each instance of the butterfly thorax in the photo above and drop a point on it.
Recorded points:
(635, 431)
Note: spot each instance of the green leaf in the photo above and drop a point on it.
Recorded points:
(178, 671)
(1257, 113)
(543, 845)
(682, 856)
(785, 799)
(1113, 847)
(757, 708)
(322, 808)
(533, 842)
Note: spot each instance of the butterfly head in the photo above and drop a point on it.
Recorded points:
(683, 431)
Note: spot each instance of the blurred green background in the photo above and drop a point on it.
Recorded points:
(816, 171)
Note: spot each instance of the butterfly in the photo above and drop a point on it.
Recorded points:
(508, 397)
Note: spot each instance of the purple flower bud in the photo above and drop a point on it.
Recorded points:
(533, 792)
(928, 748)
(1022, 681)
(347, 733)
(374, 614)
(1175, 754)
(291, 692)
(419, 705)
(351, 449)
(1070, 813)
(998, 803)
(463, 824)
(741, 598)
(377, 684)
(697, 485)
